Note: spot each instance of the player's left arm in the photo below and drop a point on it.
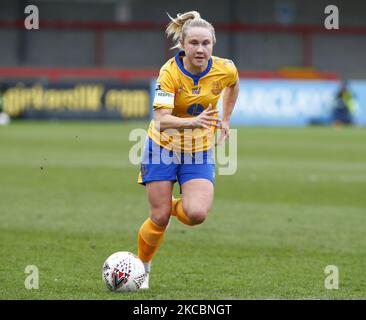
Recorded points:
(230, 96)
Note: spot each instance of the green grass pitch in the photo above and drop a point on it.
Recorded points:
(69, 199)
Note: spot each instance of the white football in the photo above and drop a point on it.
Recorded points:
(123, 271)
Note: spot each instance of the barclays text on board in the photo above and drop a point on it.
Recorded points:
(294, 102)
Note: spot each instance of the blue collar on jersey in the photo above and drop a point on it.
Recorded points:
(197, 76)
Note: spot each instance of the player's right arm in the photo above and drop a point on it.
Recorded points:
(165, 120)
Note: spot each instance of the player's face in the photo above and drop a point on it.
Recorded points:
(197, 46)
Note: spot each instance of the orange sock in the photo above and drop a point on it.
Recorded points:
(177, 210)
(149, 238)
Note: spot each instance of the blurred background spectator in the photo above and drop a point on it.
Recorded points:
(344, 106)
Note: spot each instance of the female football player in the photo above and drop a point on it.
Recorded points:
(180, 136)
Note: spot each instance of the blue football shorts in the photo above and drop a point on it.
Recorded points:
(159, 164)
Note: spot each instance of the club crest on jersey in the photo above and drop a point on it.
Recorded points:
(216, 87)
(196, 90)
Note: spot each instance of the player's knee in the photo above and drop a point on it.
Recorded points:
(197, 216)
(161, 215)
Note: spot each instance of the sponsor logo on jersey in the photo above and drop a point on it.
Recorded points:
(195, 109)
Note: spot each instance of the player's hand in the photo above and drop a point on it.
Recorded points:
(224, 132)
(206, 119)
